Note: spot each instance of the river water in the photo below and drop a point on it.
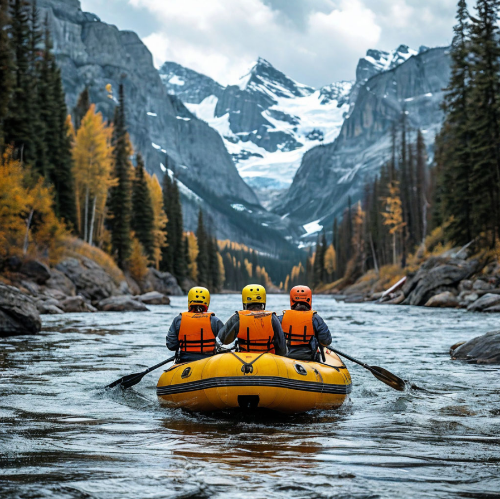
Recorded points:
(63, 436)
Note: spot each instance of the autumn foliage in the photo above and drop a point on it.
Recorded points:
(28, 224)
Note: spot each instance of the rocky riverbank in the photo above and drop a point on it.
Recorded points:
(450, 280)
(30, 288)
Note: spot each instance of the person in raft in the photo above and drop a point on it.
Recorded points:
(256, 329)
(305, 331)
(192, 334)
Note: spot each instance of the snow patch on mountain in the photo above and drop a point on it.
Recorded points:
(268, 121)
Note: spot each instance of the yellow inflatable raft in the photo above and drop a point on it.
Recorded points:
(242, 380)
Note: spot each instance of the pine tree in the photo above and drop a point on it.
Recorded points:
(18, 125)
(421, 187)
(167, 260)
(37, 124)
(6, 67)
(213, 263)
(120, 204)
(142, 210)
(453, 154)
(484, 119)
(202, 260)
(60, 154)
(179, 259)
(81, 108)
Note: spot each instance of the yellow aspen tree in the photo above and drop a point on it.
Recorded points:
(193, 254)
(222, 270)
(13, 206)
(249, 267)
(93, 165)
(22, 202)
(393, 215)
(138, 261)
(330, 260)
(286, 286)
(159, 218)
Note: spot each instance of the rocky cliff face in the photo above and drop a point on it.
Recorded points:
(330, 173)
(93, 54)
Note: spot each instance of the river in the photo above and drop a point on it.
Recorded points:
(63, 436)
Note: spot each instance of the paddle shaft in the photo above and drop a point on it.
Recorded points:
(362, 364)
(133, 379)
(159, 365)
(381, 374)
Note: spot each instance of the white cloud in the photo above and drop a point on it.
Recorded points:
(222, 37)
(314, 41)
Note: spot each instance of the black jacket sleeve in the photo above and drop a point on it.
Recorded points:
(279, 337)
(230, 330)
(173, 334)
(216, 324)
(321, 330)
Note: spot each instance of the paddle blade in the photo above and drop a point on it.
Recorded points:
(388, 378)
(127, 381)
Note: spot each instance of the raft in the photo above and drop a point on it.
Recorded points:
(249, 381)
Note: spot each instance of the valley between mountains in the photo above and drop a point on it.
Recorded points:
(270, 160)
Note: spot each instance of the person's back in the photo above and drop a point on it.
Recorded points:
(192, 333)
(255, 328)
(305, 331)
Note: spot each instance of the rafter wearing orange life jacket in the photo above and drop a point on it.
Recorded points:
(195, 333)
(256, 333)
(298, 327)
(192, 334)
(305, 331)
(255, 329)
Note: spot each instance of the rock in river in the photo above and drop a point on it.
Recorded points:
(483, 349)
(18, 312)
(121, 304)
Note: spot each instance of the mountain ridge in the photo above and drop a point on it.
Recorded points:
(93, 54)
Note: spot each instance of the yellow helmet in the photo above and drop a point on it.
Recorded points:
(199, 296)
(253, 293)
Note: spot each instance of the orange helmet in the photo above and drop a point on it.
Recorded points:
(301, 294)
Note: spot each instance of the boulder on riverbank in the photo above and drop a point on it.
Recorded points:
(18, 312)
(443, 300)
(90, 279)
(154, 298)
(483, 349)
(437, 275)
(121, 304)
(485, 302)
(163, 282)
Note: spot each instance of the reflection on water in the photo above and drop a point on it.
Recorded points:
(63, 436)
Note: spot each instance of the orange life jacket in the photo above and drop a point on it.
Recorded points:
(195, 333)
(298, 326)
(256, 333)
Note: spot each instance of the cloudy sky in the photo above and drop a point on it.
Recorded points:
(313, 41)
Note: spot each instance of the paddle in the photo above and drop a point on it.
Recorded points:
(133, 379)
(380, 373)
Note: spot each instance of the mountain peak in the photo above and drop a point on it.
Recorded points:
(264, 77)
(377, 61)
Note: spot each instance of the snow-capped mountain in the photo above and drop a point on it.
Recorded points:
(269, 121)
(330, 175)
